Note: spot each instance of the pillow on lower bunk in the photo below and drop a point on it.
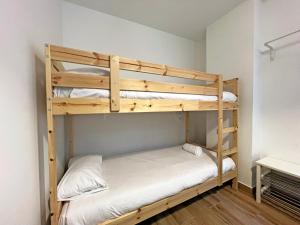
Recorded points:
(83, 177)
(194, 149)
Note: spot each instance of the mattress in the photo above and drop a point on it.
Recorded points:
(139, 179)
(102, 93)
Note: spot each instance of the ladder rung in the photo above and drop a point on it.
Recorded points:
(230, 151)
(231, 109)
(229, 129)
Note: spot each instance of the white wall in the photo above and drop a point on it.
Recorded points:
(87, 29)
(24, 26)
(201, 54)
(269, 121)
(230, 47)
(277, 82)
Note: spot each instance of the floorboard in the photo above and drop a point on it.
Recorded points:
(222, 206)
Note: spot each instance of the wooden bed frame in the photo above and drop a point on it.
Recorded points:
(56, 76)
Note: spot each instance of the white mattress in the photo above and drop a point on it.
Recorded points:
(139, 179)
(101, 93)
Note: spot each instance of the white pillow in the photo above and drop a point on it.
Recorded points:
(90, 71)
(229, 97)
(83, 177)
(194, 149)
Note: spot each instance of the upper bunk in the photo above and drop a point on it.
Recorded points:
(113, 93)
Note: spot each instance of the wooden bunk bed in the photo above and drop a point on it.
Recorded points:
(56, 76)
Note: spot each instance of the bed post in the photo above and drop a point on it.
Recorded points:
(187, 126)
(235, 119)
(54, 205)
(220, 130)
(233, 86)
(114, 83)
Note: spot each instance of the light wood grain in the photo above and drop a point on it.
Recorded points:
(68, 79)
(222, 206)
(229, 175)
(75, 80)
(54, 205)
(58, 66)
(229, 130)
(231, 86)
(114, 83)
(56, 76)
(102, 60)
(63, 106)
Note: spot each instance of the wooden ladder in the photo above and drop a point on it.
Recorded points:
(222, 131)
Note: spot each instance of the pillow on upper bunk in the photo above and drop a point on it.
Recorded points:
(194, 149)
(83, 177)
(229, 97)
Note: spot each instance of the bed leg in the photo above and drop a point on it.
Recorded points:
(234, 184)
(258, 183)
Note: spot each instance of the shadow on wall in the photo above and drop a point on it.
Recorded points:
(42, 137)
(40, 77)
(253, 171)
(280, 47)
(212, 130)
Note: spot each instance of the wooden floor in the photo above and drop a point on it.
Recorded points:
(222, 206)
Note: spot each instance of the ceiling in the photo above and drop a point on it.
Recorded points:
(185, 18)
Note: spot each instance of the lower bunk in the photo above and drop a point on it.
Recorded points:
(144, 184)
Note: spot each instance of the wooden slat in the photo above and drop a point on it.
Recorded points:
(230, 105)
(58, 66)
(114, 84)
(148, 211)
(65, 79)
(63, 106)
(79, 59)
(230, 151)
(229, 130)
(229, 175)
(102, 60)
(68, 79)
(154, 86)
(231, 85)
(54, 206)
(59, 208)
(220, 130)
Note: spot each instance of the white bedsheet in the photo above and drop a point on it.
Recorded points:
(102, 93)
(139, 179)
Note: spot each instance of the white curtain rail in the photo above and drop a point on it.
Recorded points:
(271, 49)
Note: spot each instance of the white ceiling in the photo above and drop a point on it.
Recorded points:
(186, 18)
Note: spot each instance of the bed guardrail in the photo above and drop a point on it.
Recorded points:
(114, 83)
